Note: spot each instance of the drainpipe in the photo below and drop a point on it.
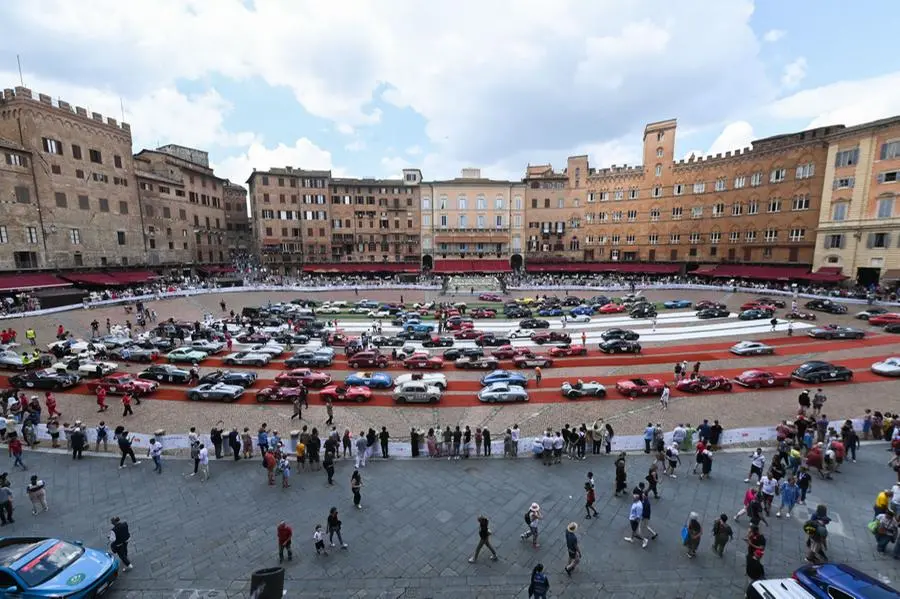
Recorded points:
(37, 195)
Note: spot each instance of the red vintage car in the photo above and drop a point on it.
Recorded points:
(121, 383)
(612, 308)
(355, 393)
(468, 334)
(551, 337)
(563, 351)
(800, 315)
(458, 323)
(703, 304)
(255, 338)
(762, 378)
(276, 393)
(490, 297)
(637, 387)
(704, 383)
(340, 338)
(368, 359)
(302, 376)
(423, 360)
(483, 313)
(882, 319)
(757, 305)
(507, 352)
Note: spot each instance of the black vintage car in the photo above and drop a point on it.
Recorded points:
(644, 310)
(620, 334)
(436, 341)
(620, 346)
(229, 377)
(289, 337)
(44, 379)
(492, 340)
(165, 373)
(534, 323)
(816, 371)
(460, 352)
(388, 341)
(708, 313)
(826, 305)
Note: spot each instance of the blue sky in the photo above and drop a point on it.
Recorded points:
(368, 88)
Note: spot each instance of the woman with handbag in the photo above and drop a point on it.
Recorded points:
(691, 534)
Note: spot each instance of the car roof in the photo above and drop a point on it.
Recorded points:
(15, 549)
(847, 579)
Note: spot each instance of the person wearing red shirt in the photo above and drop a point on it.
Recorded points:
(15, 450)
(285, 534)
(229, 342)
(4, 337)
(51, 405)
(12, 334)
(126, 403)
(60, 332)
(700, 448)
(101, 399)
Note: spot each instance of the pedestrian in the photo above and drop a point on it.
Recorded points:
(125, 449)
(790, 492)
(804, 482)
(37, 493)
(155, 453)
(79, 442)
(270, 463)
(285, 535)
(696, 368)
(356, 488)
(749, 494)
(478, 440)
(678, 372)
(514, 437)
(262, 440)
(126, 404)
(334, 528)
(486, 434)
(885, 529)
(532, 517)
(284, 468)
(621, 475)
(540, 584)
(757, 462)
(572, 547)
(329, 409)
(484, 539)
(722, 533)
(118, 540)
(768, 486)
(203, 456)
(648, 437)
(672, 459)
(215, 436)
(31, 336)
(298, 409)
(246, 443)
(101, 400)
(634, 519)
(652, 479)
(194, 443)
(384, 438)
(361, 450)
(755, 570)
(664, 397)
(537, 376)
(319, 540)
(590, 499)
(347, 444)
(818, 402)
(102, 436)
(773, 322)
(328, 464)
(51, 405)
(234, 442)
(694, 532)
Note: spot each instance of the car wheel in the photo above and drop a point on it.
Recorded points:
(860, 336)
(492, 400)
(727, 386)
(829, 337)
(787, 383)
(849, 377)
(401, 399)
(632, 394)
(260, 363)
(756, 385)
(194, 396)
(432, 400)
(572, 394)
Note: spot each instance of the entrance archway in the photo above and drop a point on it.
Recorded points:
(427, 262)
(516, 261)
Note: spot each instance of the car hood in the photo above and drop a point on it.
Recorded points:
(80, 574)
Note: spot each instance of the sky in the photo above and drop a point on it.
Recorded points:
(367, 88)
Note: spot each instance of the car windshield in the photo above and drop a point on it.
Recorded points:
(49, 563)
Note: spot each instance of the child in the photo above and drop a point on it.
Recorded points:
(589, 501)
(285, 466)
(789, 494)
(319, 538)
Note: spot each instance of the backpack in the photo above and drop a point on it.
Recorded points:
(528, 517)
(669, 453)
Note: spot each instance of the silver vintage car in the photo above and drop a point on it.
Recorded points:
(417, 392)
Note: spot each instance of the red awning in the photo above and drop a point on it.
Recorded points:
(705, 270)
(470, 266)
(361, 267)
(91, 278)
(598, 267)
(762, 273)
(30, 281)
(826, 274)
(130, 277)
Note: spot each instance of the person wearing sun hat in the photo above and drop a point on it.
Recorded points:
(532, 516)
(572, 547)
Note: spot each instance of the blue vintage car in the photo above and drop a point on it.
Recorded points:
(418, 327)
(504, 376)
(827, 581)
(677, 304)
(37, 567)
(578, 310)
(550, 312)
(373, 380)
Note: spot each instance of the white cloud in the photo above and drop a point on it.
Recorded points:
(694, 153)
(392, 166)
(844, 102)
(345, 129)
(734, 136)
(303, 154)
(413, 150)
(794, 73)
(773, 35)
(357, 145)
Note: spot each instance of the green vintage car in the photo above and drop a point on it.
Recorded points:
(186, 354)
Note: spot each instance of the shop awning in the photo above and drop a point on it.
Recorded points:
(100, 279)
(449, 267)
(600, 267)
(762, 273)
(130, 277)
(826, 274)
(361, 267)
(15, 282)
(705, 270)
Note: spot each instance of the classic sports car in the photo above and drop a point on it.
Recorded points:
(507, 352)
(580, 318)
(704, 383)
(831, 580)
(210, 347)
(424, 361)
(501, 392)
(303, 376)
(160, 343)
(373, 380)
(73, 346)
(378, 313)
(417, 392)
(707, 313)
(555, 311)
(643, 311)
(491, 340)
(216, 391)
(582, 389)
(384, 341)
(816, 371)
(272, 349)
(834, 331)
(636, 387)
(620, 346)
(870, 312)
(456, 353)
(532, 361)
(290, 338)
(368, 359)
(755, 305)
(704, 304)
(751, 348)
(534, 323)
(165, 373)
(892, 328)
(483, 313)
(34, 567)
(13, 361)
(338, 393)
(86, 368)
(770, 301)
(563, 351)
(134, 353)
(543, 337)
(826, 305)
(677, 304)
(522, 334)
(310, 357)
(798, 315)
(468, 334)
(883, 319)
(111, 341)
(431, 378)
(186, 354)
(278, 393)
(44, 379)
(329, 310)
(612, 308)
(620, 334)
(121, 383)
(490, 297)
(229, 377)
(435, 341)
(754, 314)
(887, 367)
(582, 311)
(762, 378)
(253, 338)
(477, 363)
(248, 358)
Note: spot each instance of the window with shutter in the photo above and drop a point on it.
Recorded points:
(870, 240)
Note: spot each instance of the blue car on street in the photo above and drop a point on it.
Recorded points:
(504, 376)
(677, 304)
(37, 567)
(579, 310)
(550, 312)
(372, 380)
(418, 327)
(827, 581)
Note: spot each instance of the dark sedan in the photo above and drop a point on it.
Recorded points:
(455, 353)
(626, 334)
(620, 346)
(708, 313)
(643, 311)
(229, 377)
(165, 373)
(492, 340)
(386, 341)
(816, 372)
(826, 305)
(44, 379)
(534, 323)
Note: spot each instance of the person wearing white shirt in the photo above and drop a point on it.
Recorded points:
(664, 398)
(557, 448)
(757, 463)
(634, 519)
(547, 444)
(203, 456)
(515, 440)
(155, 453)
(768, 485)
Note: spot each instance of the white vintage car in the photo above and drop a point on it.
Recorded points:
(379, 314)
(430, 378)
(329, 310)
(85, 368)
(74, 346)
(417, 392)
(247, 358)
(579, 318)
(273, 350)
(210, 347)
(522, 334)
